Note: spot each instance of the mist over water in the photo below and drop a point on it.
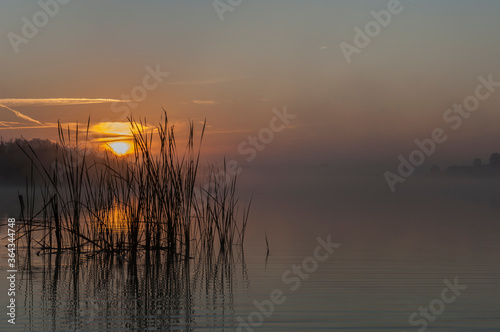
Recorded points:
(396, 250)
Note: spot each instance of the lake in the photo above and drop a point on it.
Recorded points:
(425, 257)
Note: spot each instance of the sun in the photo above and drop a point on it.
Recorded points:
(120, 148)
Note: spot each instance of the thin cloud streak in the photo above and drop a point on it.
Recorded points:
(208, 82)
(57, 101)
(10, 123)
(204, 102)
(22, 116)
(26, 127)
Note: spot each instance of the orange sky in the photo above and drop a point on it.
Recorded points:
(114, 59)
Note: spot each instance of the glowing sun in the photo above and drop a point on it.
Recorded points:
(120, 148)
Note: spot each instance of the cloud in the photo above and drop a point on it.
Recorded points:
(22, 116)
(230, 131)
(56, 101)
(24, 127)
(204, 102)
(10, 123)
(207, 82)
(116, 131)
(7, 103)
(114, 128)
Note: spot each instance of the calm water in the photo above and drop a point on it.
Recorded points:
(396, 251)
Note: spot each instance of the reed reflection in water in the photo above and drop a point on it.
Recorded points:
(69, 292)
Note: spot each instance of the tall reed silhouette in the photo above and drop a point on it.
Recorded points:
(153, 200)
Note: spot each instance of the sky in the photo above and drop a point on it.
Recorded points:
(263, 56)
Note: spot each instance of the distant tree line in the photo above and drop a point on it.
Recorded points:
(16, 166)
(476, 169)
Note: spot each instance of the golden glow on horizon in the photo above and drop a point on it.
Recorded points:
(113, 128)
(115, 136)
(120, 148)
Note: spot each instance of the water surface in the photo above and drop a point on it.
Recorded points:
(396, 251)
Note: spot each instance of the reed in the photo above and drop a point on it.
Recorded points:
(152, 201)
